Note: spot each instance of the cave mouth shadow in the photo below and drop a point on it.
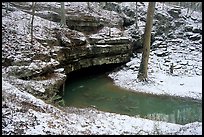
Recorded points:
(93, 70)
(90, 71)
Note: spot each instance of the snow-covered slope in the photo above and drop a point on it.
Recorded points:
(23, 113)
(175, 46)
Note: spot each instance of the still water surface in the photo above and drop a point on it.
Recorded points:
(99, 91)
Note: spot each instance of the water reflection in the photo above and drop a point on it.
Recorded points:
(100, 92)
(180, 116)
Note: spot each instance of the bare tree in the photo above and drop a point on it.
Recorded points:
(110, 23)
(195, 7)
(63, 18)
(188, 9)
(7, 6)
(88, 6)
(136, 16)
(142, 74)
(32, 20)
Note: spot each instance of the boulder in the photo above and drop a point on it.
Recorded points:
(162, 53)
(113, 6)
(128, 21)
(37, 67)
(129, 12)
(84, 23)
(197, 30)
(69, 38)
(44, 87)
(195, 37)
(174, 12)
(188, 28)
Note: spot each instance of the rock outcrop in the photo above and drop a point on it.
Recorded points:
(88, 40)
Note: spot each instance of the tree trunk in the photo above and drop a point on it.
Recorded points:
(142, 74)
(136, 16)
(7, 5)
(201, 7)
(88, 5)
(110, 23)
(188, 9)
(196, 5)
(32, 19)
(63, 19)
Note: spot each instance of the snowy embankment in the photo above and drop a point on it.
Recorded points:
(22, 113)
(160, 84)
(174, 47)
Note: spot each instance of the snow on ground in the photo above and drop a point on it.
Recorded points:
(190, 87)
(22, 113)
(186, 80)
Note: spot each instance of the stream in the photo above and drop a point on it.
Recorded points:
(99, 91)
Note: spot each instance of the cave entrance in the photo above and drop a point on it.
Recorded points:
(91, 87)
(92, 71)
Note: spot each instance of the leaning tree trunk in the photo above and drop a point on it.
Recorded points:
(142, 74)
(32, 20)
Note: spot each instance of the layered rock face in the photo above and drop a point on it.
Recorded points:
(84, 42)
(87, 40)
(77, 51)
(103, 34)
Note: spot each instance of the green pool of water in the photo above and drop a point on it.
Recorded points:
(99, 91)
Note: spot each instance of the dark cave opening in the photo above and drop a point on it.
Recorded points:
(94, 70)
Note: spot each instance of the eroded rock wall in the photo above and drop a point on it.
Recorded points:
(87, 40)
